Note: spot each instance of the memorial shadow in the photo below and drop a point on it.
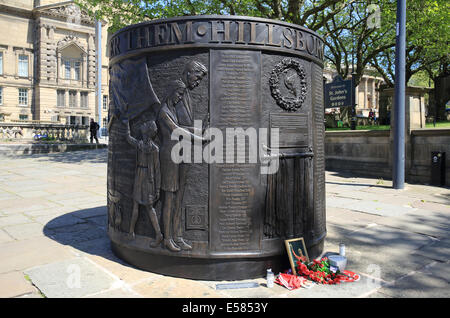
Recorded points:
(85, 230)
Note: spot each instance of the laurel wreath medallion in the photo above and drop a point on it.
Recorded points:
(288, 103)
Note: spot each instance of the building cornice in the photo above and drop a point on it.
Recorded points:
(17, 11)
(66, 11)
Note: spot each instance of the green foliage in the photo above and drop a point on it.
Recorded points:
(427, 43)
(119, 13)
(345, 25)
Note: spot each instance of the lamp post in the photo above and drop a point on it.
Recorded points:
(398, 169)
(98, 86)
(353, 120)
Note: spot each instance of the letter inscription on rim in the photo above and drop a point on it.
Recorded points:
(217, 32)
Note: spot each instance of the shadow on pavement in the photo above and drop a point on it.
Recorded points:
(391, 250)
(377, 184)
(349, 174)
(84, 230)
(75, 156)
(359, 184)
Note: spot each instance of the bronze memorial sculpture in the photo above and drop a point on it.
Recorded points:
(216, 147)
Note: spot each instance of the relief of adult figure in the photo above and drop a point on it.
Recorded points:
(193, 73)
(167, 122)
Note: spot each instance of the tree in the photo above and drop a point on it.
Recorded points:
(310, 13)
(352, 39)
(347, 27)
(427, 36)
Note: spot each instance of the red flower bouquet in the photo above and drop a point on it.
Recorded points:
(318, 271)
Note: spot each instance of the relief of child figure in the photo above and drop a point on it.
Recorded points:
(147, 178)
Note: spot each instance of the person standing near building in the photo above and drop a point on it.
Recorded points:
(93, 128)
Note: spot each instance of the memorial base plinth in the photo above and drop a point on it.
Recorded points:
(215, 269)
(201, 268)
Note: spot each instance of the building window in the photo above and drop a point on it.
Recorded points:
(23, 117)
(23, 97)
(84, 99)
(105, 101)
(72, 69)
(76, 68)
(72, 99)
(23, 65)
(1, 95)
(61, 98)
(67, 69)
(1, 63)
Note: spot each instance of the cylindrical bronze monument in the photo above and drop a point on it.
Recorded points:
(216, 145)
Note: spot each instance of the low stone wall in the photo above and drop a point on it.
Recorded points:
(369, 153)
(27, 131)
(423, 142)
(11, 149)
(364, 152)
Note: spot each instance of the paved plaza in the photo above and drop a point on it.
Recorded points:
(53, 240)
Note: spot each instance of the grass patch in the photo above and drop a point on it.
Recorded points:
(441, 124)
(366, 127)
(27, 278)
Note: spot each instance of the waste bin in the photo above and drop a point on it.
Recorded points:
(438, 168)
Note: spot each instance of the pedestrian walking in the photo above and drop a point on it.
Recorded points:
(93, 128)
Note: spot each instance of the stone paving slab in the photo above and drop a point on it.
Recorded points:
(70, 278)
(26, 253)
(24, 231)
(165, 287)
(396, 239)
(364, 286)
(74, 234)
(438, 251)
(430, 282)
(5, 237)
(14, 284)
(13, 220)
(383, 209)
(90, 212)
(116, 293)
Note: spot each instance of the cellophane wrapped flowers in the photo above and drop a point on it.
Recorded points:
(318, 271)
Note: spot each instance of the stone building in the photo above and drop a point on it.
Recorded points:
(48, 63)
(367, 95)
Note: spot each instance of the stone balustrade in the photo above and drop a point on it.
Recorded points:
(29, 131)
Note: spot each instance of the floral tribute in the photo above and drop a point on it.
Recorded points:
(319, 271)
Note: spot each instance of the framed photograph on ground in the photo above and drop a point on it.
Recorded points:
(296, 247)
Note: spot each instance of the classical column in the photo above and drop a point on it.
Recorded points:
(59, 67)
(91, 61)
(52, 51)
(84, 67)
(366, 82)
